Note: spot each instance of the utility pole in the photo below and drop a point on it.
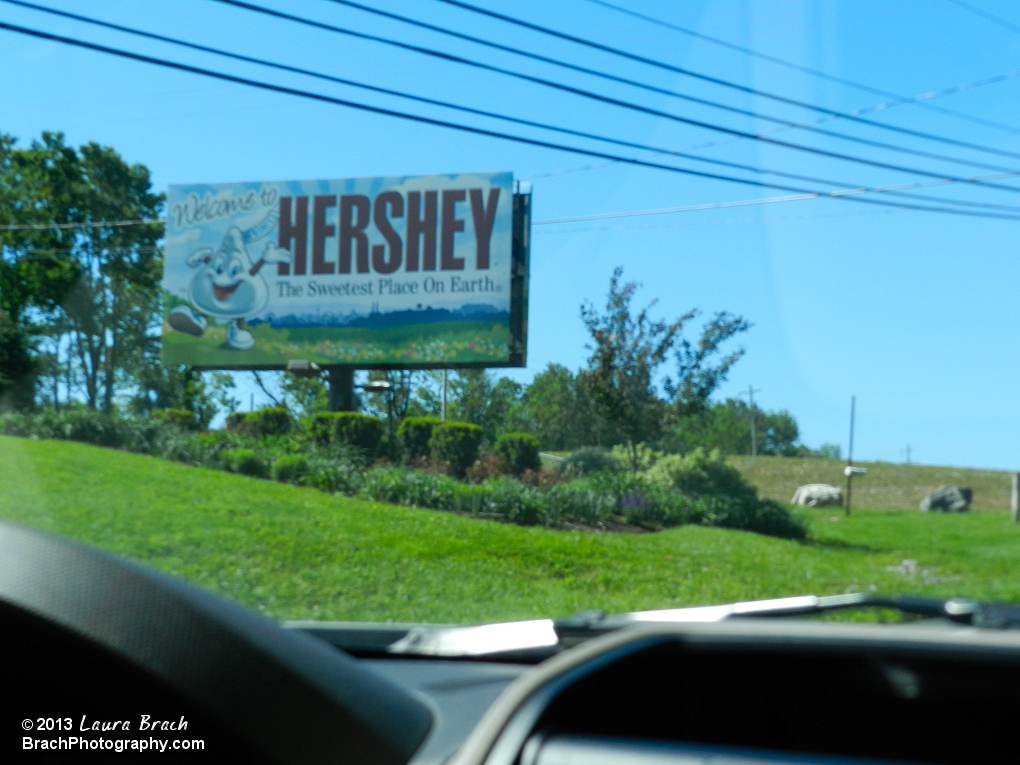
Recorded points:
(907, 451)
(442, 411)
(850, 454)
(751, 390)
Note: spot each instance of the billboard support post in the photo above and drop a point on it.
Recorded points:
(341, 388)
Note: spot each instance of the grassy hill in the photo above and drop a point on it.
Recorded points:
(887, 485)
(296, 553)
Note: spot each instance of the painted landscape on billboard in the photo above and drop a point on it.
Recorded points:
(402, 271)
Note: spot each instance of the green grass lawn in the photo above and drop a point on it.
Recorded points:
(887, 485)
(297, 553)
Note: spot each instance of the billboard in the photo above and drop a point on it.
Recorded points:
(424, 271)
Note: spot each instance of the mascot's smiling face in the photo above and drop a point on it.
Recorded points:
(225, 287)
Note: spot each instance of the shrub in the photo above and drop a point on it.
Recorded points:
(429, 465)
(414, 434)
(322, 427)
(728, 499)
(86, 425)
(519, 452)
(487, 466)
(360, 430)
(235, 420)
(456, 443)
(587, 460)
(271, 421)
(410, 487)
(291, 468)
(517, 502)
(335, 476)
(179, 418)
(245, 462)
(350, 428)
(763, 516)
(638, 457)
(699, 474)
(16, 424)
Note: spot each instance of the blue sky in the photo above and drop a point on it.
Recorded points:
(916, 313)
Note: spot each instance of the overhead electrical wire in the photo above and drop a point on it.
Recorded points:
(530, 123)
(625, 104)
(987, 16)
(669, 210)
(690, 73)
(919, 100)
(850, 195)
(687, 97)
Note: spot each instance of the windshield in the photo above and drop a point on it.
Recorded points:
(462, 312)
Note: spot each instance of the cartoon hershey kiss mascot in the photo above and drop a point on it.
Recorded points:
(227, 287)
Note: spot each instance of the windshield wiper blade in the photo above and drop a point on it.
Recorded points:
(959, 610)
(536, 639)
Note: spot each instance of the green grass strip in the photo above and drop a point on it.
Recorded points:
(297, 553)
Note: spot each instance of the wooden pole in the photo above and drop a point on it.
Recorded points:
(1014, 498)
(850, 454)
(442, 411)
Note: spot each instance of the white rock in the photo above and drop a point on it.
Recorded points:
(817, 495)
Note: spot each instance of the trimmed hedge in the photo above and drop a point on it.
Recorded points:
(588, 460)
(291, 468)
(457, 444)
(180, 418)
(360, 430)
(519, 452)
(414, 434)
(701, 474)
(245, 462)
(731, 502)
(235, 420)
(322, 427)
(271, 421)
(351, 428)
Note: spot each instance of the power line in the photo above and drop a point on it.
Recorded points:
(985, 15)
(618, 102)
(914, 100)
(698, 75)
(85, 224)
(723, 222)
(705, 102)
(685, 208)
(471, 110)
(878, 107)
(471, 129)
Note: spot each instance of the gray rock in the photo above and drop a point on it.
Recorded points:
(948, 499)
(817, 495)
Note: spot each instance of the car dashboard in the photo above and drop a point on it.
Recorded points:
(742, 691)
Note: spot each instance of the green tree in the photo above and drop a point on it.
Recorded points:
(626, 352)
(478, 397)
(557, 410)
(90, 287)
(17, 367)
(474, 396)
(304, 395)
(726, 426)
(701, 368)
(204, 394)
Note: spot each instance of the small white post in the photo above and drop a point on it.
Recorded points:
(1014, 498)
(442, 411)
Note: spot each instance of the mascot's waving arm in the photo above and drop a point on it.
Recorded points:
(227, 287)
